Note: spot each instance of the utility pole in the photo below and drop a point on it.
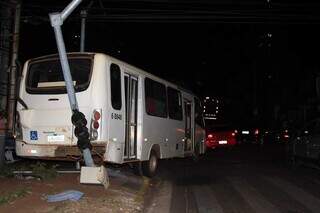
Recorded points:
(5, 44)
(11, 98)
(83, 14)
(5, 38)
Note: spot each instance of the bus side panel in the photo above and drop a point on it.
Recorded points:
(115, 123)
(176, 138)
(167, 133)
(154, 132)
(164, 132)
(98, 98)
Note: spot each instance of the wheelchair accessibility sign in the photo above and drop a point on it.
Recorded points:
(33, 135)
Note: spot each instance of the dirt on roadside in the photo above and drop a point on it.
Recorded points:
(125, 194)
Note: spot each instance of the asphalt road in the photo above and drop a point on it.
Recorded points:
(242, 179)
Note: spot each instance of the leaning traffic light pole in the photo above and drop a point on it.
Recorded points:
(78, 119)
(90, 173)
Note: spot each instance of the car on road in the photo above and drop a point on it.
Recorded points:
(276, 135)
(305, 145)
(250, 135)
(220, 136)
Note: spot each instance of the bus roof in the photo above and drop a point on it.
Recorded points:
(91, 54)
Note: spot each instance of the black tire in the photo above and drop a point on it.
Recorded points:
(150, 167)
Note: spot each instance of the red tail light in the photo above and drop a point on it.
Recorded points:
(256, 132)
(96, 124)
(233, 134)
(210, 136)
(96, 115)
(96, 118)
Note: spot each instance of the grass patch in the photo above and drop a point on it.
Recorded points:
(38, 169)
(10, 197)
(44, 171)
(6, 171)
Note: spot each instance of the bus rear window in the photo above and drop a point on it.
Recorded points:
(46, 76)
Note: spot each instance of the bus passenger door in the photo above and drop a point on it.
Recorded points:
(131, 104)
(188, 139)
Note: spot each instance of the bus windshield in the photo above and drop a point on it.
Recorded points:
(46, 76)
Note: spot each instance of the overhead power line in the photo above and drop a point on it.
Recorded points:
(156, 11)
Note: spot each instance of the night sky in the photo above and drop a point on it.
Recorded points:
(252, 54)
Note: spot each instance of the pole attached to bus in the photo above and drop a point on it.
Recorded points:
(78, 119)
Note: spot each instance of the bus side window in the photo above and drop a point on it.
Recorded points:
(156, 98)
(174, 104)
(115, 78)
(150, 105)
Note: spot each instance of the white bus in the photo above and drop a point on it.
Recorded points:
(133, 116)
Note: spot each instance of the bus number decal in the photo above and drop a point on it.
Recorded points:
(116, 116)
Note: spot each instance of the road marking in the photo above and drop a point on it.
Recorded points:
(308, 200)
(257, 201)
(206, 201)
(162, 202)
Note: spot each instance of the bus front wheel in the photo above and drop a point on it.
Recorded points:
(150, 167)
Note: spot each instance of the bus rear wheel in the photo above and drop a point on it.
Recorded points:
(149, 168)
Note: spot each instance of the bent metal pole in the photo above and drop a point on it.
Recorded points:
(56, 20)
